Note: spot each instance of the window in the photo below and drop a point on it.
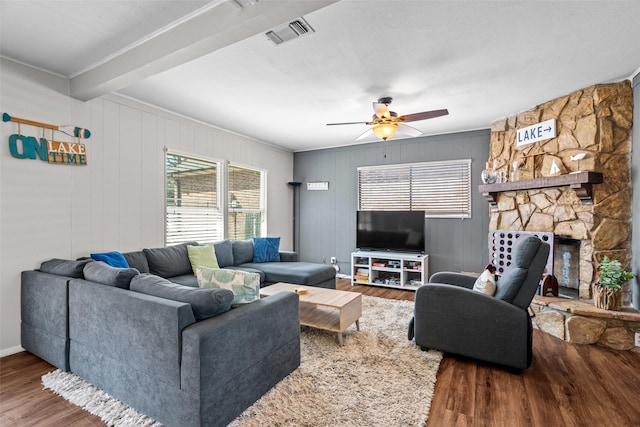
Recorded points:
(193, 209)
(441, 189)
(245, 202)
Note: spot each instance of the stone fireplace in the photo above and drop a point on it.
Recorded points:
(566, 266)
(595, 218)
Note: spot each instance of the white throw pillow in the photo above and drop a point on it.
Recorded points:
(486, 283)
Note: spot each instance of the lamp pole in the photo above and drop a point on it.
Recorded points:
(295, 185)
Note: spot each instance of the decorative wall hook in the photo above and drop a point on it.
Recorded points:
(69, 130)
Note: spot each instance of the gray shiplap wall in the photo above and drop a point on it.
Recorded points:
(327, 219)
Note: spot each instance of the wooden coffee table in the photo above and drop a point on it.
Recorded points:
(327, 309)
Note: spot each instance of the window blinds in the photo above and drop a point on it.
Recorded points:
(246, 202)
(441, 189)
(192, 201)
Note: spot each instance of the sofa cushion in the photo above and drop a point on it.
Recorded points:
(63, 267)
(224, 253)
(205, 303)
(300, 273)
(137, 260)
(242, 251)
(170, 261)
(185, 280)
(245, 286)
(266, 249)
(103, 273)
(204, 256)
(114, 259)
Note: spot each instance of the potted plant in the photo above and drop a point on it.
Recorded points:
(607, 292)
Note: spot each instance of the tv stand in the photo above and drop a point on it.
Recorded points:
(398, 270)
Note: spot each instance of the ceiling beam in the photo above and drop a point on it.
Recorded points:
(213, 29)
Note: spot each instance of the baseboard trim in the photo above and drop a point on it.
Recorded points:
(11, 350)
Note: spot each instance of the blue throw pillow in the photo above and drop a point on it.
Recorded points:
(114, 259)
(266, 249)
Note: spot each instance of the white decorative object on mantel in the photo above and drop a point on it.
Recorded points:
(555, 170)
(577, 158)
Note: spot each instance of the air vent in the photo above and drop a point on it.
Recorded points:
(294, 29)
(241, 4)
(300, 26)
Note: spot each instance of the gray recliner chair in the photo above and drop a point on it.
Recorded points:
(450, 316)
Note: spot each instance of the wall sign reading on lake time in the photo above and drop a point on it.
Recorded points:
(537, 132)
(51, 151)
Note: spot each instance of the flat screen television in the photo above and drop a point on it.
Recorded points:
(390, 230)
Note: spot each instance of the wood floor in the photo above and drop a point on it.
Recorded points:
(567, 385)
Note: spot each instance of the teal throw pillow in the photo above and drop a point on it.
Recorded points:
(244, 285)
(266, 249)
(114, 259)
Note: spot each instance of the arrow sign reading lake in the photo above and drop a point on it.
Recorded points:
(538, 132)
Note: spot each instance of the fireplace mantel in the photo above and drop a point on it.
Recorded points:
(580, 182)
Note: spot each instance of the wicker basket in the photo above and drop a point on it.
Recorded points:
(607, 298)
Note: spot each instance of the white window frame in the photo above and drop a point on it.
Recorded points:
(220, 200)
(394, 187)
(263, 195)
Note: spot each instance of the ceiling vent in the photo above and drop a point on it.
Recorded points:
(241, 4)
(294, 29)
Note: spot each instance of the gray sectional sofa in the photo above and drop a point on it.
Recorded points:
(175, 352)
(173, 263)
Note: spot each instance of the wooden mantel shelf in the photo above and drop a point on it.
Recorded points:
(578, 181)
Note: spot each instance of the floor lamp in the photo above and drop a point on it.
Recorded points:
(295, 185)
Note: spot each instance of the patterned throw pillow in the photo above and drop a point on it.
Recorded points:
(244, 285)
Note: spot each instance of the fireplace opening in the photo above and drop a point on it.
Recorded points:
(566, 266)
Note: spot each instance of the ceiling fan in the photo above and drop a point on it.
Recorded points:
(385, 122)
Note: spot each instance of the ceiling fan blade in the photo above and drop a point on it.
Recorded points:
(365, 135)
(348, 123)
(408, 130)
(381, 110)
(423, 116)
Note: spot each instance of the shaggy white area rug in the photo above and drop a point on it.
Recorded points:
(378, 378)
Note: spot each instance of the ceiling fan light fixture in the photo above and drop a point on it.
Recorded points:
(385, 131)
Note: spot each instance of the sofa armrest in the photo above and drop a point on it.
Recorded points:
(43, 311)
(244, 347)
(451, 278)
(462, 321)
(114, 324)
(288, 256)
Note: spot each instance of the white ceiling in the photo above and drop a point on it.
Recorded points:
(211, 61)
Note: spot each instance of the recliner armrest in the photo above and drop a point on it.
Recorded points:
(451, 278)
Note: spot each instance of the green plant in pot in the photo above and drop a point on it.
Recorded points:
(607, 293)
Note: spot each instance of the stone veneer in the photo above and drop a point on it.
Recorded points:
(596, 121)
(579, 322)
